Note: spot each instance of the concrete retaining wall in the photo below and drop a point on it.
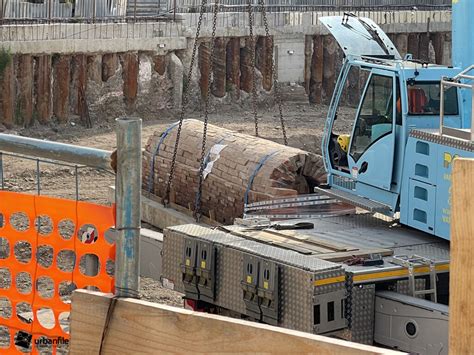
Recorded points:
(60, 71)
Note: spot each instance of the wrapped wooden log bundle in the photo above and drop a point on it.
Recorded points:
(240, 168)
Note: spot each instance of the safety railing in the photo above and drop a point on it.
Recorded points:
(32, 11)
(466, 133)
(50, 246)
(179, 25)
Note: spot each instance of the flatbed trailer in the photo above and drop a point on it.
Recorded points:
(359, 276)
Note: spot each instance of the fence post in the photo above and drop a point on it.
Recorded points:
(128, 197)
(135, 12)
(94, 11)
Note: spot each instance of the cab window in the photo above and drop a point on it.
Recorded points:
(375, 117)
(424, 98)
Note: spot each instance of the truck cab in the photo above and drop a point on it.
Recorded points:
(395, 160)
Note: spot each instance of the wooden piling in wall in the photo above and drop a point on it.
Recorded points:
(61, 82)
(219, 68)
(316, 77)
(43, 90)
(204, 67)
(7, 95)
(413, 45)
(246, 68)
(233, 66)
(130, 67)
(329, 67)
(24, 92)
(263, 61)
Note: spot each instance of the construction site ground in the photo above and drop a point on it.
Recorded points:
(305, 126)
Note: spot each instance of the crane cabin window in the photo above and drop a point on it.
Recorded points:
(424, 98)
(375, 116)
(344, 118)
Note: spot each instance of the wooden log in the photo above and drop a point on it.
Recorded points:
(461, 287)
(276, 170)
(140, 327)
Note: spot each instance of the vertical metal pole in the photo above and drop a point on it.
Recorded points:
(2, 184)
(38, 182)
(94, 11)
(135, 12)
(128, 197)
(472, 113)
(77, 182)
(174, 10)
(441, 107)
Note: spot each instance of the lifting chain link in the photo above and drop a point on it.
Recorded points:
(252, 55)
(276, 84)
(198, 205)
(166, 196)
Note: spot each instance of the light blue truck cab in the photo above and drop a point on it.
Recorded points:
(396, 158)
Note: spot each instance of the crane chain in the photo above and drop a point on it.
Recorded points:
(166, 196)
(252, 54)
(198, 205)
(274, 73)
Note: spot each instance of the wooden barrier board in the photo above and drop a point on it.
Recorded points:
(140, 327)
(461, 308)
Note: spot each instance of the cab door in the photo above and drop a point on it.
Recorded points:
(372, 146)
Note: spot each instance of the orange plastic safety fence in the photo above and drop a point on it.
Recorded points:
(44, 241)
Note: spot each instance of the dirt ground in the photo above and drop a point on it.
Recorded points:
(305, 125)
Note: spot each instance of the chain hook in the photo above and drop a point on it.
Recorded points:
(166, 196)
(198, 203)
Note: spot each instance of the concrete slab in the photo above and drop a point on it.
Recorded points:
(156, 214)
(151, 244)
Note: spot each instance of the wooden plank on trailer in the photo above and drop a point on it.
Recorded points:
(461, 307)
(362, 253)
(139, 327)
(313, 239)
(281, 239)
(276, 240)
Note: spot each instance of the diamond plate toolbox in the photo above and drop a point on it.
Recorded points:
(254, 279)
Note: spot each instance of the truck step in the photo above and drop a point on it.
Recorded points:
(358, 201)
(425, 292)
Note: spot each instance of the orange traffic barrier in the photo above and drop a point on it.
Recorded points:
(46, 241)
